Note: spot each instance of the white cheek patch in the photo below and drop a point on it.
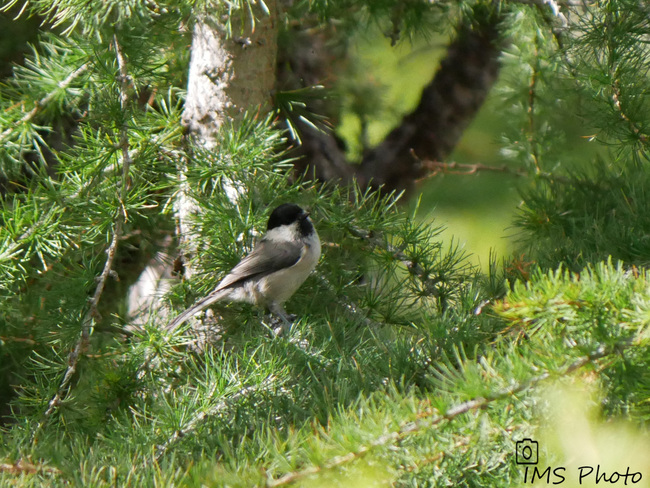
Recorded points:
(283, 233)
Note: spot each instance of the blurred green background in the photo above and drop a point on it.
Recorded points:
(384, 82)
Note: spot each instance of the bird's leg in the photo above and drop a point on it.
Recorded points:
(286, 319)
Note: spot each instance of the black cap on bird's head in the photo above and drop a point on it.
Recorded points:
(287, 214)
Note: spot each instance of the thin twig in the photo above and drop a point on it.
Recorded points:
(454, 168)
(436, 167)
(432, 419)
(616, 97)
(87, 324)
(43, 102)
(413, 267)
(92, 312)
(200, 417)
(125, 84)
(530, 111)
(24, 340)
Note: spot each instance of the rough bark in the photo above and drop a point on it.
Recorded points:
(229, 75)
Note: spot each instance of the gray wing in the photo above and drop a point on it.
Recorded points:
(264, 259)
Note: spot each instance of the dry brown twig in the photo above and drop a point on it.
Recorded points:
(435, 168)
(25, 467)
(92, 312)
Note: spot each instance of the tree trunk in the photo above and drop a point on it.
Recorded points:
(227, 76)
(447, 105)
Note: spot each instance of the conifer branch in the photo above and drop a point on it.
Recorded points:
(43, 102)
(432, 419)
(92, 312)
(413, 267)
(8, 252)
(616, 98)
(196, 421)
(348, 305)
(87, 324)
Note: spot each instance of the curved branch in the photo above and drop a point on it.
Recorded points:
(447, 106)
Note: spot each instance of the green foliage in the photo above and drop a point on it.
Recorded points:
(588, 217)
(594, 205)
(404, 367)
(370, 319)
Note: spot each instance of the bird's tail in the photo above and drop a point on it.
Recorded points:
(197, 307)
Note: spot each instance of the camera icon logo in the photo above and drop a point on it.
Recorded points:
(526, 451)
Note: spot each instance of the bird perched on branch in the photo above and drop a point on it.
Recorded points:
(274, 269)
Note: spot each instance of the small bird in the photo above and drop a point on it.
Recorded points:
(273, 270)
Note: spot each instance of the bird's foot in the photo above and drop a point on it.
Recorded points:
(281, 325)
(281, 322)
